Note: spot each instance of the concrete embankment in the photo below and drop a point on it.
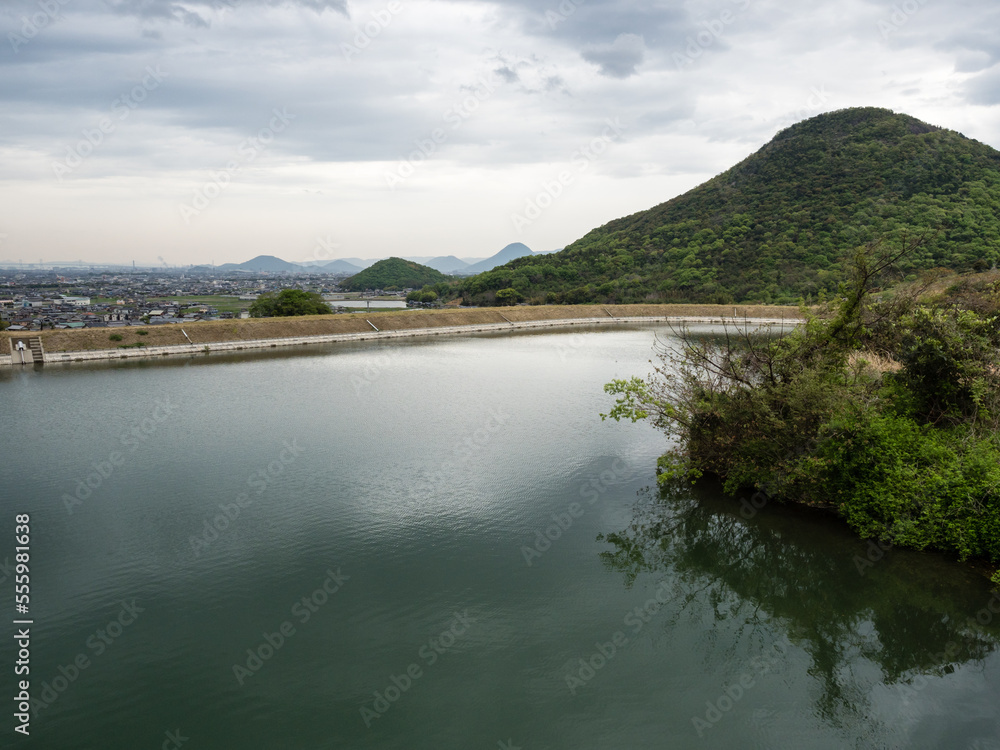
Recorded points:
(207, 338)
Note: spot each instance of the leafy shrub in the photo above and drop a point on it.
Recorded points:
(115, 337)
(912, 484)
(908, 453)
(425, 295)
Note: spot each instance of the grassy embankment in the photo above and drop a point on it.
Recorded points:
(90, 339)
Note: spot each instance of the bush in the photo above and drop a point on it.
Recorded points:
(908, 453)
(425, 295)
(508, 296)
(288, 303)
(912, 484)
(142, 332)
(115, 337)
(949, 363)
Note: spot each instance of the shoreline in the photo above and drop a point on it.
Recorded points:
(373, 334)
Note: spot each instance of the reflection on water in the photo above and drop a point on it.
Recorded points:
(427, 469)
(845, 602)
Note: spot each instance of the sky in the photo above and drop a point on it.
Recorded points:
(210, 131)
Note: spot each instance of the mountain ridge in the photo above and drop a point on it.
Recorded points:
(777, 226)
(447, 264)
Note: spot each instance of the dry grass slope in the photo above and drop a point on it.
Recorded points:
(317, 325)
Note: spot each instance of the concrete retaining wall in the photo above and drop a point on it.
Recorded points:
(152, 352)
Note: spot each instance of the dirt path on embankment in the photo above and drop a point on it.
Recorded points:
(262, 332)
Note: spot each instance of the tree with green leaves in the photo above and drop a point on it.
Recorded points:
(425, 295)
(508, 296)
(287, 303)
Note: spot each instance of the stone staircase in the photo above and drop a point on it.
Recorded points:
(37, 354)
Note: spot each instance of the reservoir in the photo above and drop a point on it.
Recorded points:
(365, 304)
(439, 544)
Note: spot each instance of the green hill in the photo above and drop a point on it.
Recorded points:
(393, 272)
(778, 225)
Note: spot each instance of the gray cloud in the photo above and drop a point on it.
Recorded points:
(159, 10)
(557, 70)
(985, 89)
(583, 22)
(618, 59)
(168, 10)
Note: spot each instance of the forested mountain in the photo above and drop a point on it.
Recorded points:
(393, 272)
(778, 226)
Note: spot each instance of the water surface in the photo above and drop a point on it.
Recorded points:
(403, 489)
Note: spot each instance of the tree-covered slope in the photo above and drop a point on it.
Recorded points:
(778, 225)
(393, 272)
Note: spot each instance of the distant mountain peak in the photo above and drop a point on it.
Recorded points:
(777, 226)
(394, 272)
(510, 252)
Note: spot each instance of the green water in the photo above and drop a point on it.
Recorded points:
(362, 519)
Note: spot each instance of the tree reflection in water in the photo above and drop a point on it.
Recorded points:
(802, 573)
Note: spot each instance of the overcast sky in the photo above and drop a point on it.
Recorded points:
(194, 131)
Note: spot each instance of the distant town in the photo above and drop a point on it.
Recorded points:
(41, 296)
(33, 300)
